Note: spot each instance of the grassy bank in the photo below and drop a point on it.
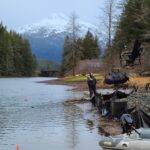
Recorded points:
(80, 78)
(80, 82)
(135, 81)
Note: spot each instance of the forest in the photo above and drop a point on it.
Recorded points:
(16, 58)
(132, 24)
(78, 49)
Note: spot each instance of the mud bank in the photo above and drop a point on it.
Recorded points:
(94, 119)
(91, 115)
(108, 126)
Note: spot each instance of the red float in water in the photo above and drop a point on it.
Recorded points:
(17, 147)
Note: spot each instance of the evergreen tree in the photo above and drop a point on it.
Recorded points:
(79, 49)
(16, 57)
(90, 46)
(6, 51)
(71, 55)
(65, 61)
(72, 52)
(27, 58)
(133, 23)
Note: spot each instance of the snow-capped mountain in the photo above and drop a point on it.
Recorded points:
(47, 36)
(56, 23)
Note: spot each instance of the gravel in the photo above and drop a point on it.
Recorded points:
(143, 98)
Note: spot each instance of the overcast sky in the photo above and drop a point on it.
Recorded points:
(15, 13)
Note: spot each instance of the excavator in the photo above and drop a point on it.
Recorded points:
(132, 58)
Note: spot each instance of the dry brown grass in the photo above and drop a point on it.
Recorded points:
(139, 82)
(80, 83)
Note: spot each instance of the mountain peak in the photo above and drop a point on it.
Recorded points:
(57, 23)
(58, 16)
(47, 36)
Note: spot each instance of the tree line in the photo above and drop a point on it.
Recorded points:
(77, 48)
(133, 23)
(80, 49)
(16, 58)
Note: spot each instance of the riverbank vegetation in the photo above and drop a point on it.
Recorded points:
(80, 82)
(77, 48)
(82, 55)
(132, 24)
(16, 58)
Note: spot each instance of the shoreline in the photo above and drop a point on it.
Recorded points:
(105, 126)
(94, 119)
(137, 83)
(77, 86)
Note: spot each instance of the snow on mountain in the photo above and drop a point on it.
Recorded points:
(47, 36)
(56, 23)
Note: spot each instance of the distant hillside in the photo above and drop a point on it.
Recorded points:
(49, 48)
(47, 37)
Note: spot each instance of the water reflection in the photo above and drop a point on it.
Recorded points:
(73, 116)
(33, 116)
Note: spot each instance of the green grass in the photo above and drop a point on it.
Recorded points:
(146, 74)
(134, 80)
(81, 78)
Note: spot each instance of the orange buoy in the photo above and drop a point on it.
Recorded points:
(17, 147)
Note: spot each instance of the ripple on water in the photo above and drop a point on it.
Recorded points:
(33, 116)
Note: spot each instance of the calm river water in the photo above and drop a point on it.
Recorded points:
(32, 115)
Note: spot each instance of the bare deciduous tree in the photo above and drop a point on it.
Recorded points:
(108, 18)
(74, 28)
(109, 13)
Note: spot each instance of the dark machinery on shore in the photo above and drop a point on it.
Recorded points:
(113, 104)
(116, 77)
(131, 58)
(134, 121)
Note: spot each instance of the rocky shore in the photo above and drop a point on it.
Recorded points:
(141, 95)
(109, 126)
(143, 98)
(94, 119)
(104, 125)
